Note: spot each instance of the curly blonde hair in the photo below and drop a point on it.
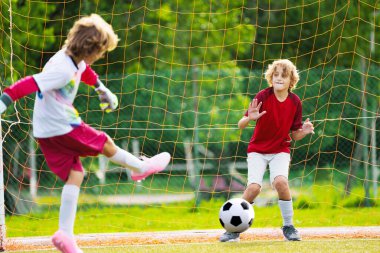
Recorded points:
(90, 35)
(288, 67)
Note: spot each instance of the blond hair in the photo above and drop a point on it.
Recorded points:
(288, 67)
(90, 35)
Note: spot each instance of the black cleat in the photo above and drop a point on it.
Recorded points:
(291, 233)
(230, 237)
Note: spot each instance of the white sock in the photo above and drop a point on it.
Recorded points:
(68, 209)
(127, 160)
(286, 207)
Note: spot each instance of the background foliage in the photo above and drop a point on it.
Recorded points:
(188, 69)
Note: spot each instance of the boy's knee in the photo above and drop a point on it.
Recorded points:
(255, 188)
(251, 192)
(280, 182)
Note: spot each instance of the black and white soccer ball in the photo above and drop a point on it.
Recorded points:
(236, 215)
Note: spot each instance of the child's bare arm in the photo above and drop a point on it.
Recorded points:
(253, 114)
(243, 122)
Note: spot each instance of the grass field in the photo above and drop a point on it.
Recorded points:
(335, 245)
(321, 206)
(323, 209)
(180, 216)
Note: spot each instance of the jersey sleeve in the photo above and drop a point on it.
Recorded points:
(51, 79)
(22, 88)
(89, 76)
(297, 122)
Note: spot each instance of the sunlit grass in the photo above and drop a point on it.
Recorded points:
(320, 205)
(331, 246)
(180, 216)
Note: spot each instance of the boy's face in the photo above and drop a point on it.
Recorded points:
(281, 79)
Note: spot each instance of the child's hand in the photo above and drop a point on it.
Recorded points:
(108, 100)
(308, 127)
(254, 110)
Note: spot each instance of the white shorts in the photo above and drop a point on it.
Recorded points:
(257, 164)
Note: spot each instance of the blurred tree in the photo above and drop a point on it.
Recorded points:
(27, 32)
(222, 46)
(314, 33)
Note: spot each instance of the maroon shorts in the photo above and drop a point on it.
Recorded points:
(62, 152)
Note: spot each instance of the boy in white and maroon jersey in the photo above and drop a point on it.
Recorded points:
(277, 112)
(62, 135)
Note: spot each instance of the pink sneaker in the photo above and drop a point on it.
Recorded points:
(154, 165)
(65, 243)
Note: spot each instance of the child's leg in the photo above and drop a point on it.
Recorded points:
(122, 157)
(251, 192)
(279, 171)
(257, 164)
(64, 239)
(284, 199)
(140, 168)
(281, 185)
(287, 213)
(69, 202)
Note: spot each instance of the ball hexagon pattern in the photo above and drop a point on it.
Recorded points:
(236, 215)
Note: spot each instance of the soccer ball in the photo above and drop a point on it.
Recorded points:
(236, 215)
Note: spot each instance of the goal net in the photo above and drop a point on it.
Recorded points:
(185, 73)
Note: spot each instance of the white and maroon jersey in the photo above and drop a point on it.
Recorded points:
(271, 134)
(54, 113)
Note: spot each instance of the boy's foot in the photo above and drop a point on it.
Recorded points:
(153, 165)
(291, 233)
(230, 237)
(65, 243)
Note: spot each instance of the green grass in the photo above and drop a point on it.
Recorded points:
(181, 216)
(315, 206)
(331, 246)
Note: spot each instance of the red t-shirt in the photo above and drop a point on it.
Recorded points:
(271, 134)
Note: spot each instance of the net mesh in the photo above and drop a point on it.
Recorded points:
(184, 73)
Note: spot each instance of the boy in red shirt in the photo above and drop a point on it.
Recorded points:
(277, 111)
